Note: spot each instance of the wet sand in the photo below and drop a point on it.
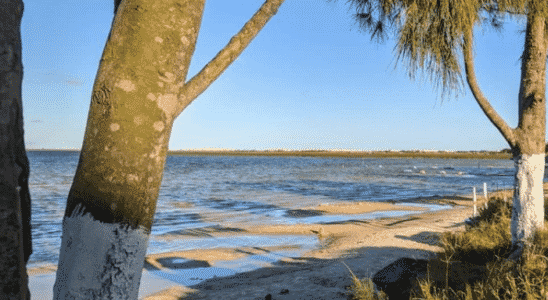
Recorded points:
(365, 246)
(291, 272)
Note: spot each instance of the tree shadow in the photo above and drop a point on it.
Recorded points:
(175, 263)
(298, 278)
(303, 213)
(202, 232)
(431, 238)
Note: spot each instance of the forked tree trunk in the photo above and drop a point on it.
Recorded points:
(529, 148)
(528, 139)
(15, 235)
(139, 90)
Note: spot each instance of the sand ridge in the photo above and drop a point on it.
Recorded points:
(360, 207)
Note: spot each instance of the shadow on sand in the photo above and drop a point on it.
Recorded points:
(290, 278)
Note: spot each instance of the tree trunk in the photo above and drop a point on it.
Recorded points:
(528, 208)
(15, 238)
(112, 200)
(139, 90)
(528, 139)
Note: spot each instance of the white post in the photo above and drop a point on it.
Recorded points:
(485, 194)
(475, 210)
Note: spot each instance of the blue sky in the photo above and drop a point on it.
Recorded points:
(310, 80)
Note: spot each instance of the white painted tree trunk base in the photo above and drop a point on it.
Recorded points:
(99, 260)
(528, 208)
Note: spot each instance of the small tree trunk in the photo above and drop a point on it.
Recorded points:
(15, 239)
(528, 208)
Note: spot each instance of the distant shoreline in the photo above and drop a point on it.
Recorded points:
(336, 153)
(350, 154)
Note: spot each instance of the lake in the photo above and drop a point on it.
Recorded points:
(213, 191)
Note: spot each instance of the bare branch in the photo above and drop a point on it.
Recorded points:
(492, 115)
(201, 81)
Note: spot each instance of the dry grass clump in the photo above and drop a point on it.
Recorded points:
(486, 239)
(364, 289)
(485, 243)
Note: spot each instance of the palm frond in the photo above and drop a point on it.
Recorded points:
(430, 32)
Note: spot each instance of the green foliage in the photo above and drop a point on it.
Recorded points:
(430, 32)
(506, 279)
(487, 243)
(489, 237)
(480, 245)
(495, 211)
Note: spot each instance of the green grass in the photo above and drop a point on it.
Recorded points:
(487, 244)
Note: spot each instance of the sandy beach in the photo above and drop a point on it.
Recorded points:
(365, 246)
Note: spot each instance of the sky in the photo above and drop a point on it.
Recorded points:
(311, 79)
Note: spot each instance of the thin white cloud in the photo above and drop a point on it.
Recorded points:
(52, 77)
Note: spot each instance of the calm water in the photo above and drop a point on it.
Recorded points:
(200, 194)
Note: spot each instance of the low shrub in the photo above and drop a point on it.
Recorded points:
(486, 242)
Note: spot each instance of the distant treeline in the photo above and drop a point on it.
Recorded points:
(503, 154)
(357, 154)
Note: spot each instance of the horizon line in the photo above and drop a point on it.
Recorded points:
(284, 149)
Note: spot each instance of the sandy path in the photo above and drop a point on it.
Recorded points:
(365, 246)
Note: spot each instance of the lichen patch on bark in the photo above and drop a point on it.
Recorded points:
(159, 126)
(133, 177)
(185, 40)
(125, 85)
(138, 120)
(156, 151)
(114, 127)
(168, 103)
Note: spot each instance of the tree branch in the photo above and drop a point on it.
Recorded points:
(506, 131)
(201, 81)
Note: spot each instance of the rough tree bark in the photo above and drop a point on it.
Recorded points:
(528, 208)
(15, 236)
(528, 139)
(139, 90)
